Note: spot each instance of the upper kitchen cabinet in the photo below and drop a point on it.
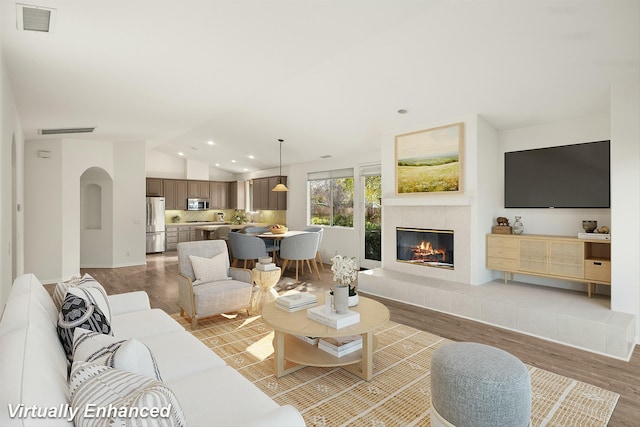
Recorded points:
(277, 199)
(175, 194)
(236, 195)
(219, 195)
(198, 189)
(155, 187)
(265, 199)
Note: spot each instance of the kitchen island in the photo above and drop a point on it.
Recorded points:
(198, 230)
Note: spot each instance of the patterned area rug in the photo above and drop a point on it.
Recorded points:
(398, 394)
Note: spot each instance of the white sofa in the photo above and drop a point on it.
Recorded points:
(34, 368)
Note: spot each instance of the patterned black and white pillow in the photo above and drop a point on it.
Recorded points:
(128, 355)
(77, 312)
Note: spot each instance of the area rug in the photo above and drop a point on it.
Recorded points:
(398, 394)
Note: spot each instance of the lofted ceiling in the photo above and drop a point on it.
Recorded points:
(327, 76)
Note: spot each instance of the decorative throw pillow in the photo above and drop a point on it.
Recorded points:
(209, 269)
(75, 313)
(128, 355)
(96, 296)
(76, 281)
(105, 396)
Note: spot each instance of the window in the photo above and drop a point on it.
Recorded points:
(331, 198)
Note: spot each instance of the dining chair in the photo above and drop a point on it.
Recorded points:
(301, 247)
(246, 248)
(319, 230)
(272, 245)
(221, 233)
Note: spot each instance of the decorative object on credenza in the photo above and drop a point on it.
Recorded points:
(503, 226)
(603, 230)
(518, 226)
(430, 161)
(345, 273)
(589, 225)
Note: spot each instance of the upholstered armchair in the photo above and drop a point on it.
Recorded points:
(212, 287)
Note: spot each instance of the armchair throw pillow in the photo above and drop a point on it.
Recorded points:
(128, 355)
(209, 269)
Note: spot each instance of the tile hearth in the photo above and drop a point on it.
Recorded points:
(559, 315)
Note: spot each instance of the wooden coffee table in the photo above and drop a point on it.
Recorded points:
(291, 353)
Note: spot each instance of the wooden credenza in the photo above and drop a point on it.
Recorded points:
(569, 258)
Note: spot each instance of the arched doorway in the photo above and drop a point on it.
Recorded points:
(96, 219)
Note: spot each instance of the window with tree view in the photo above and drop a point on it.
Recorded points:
(331, 198)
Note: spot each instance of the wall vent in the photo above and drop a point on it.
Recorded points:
(64, 130)
(35, 18)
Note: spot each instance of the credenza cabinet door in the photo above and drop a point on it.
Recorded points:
(533, 255)
(566, 259)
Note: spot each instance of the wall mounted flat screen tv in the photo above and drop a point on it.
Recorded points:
(568, 176)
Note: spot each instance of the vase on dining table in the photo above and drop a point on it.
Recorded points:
(340, 298)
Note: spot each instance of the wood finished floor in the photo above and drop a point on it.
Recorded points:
(158, 279)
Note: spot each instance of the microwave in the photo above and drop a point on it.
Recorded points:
(197, 204)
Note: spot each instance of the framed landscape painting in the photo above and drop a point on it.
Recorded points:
(430, 161)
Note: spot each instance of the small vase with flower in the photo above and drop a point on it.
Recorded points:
(345, 273)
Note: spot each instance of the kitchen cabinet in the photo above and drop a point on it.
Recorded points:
(175, 194)
(219, 195)
(277, 199)
(265, 199)
(236, 195)
(155, 187)
(198, 189)
(172, 237)
(560, 257)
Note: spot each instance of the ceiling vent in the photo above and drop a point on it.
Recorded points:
(64, 130)
(35, 18)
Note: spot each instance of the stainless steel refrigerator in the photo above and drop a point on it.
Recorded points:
(156, 232)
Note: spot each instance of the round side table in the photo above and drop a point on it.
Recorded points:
(265, 280)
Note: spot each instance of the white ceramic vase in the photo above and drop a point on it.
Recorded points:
(340, 298)
(353, 300)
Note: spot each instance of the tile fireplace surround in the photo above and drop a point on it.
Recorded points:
(559, 315)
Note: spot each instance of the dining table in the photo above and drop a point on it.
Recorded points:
(277, 237)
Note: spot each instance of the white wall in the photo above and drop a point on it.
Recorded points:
(52, 203)
(161, 165)
(10, 133)
(625, 199)
(129, 204)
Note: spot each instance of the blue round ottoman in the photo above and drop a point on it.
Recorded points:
(476, 385)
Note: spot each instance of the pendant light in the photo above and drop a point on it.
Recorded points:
(280, 186)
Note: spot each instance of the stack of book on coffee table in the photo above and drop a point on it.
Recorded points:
(326, 316)
(297, 301)
(340, 346)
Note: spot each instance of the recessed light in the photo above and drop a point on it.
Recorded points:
(210, 142)
(233, 161)
(180, 153)
(218, 164)
(251, 156)
(245, 169)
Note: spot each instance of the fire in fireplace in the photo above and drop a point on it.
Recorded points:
(431, 248)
